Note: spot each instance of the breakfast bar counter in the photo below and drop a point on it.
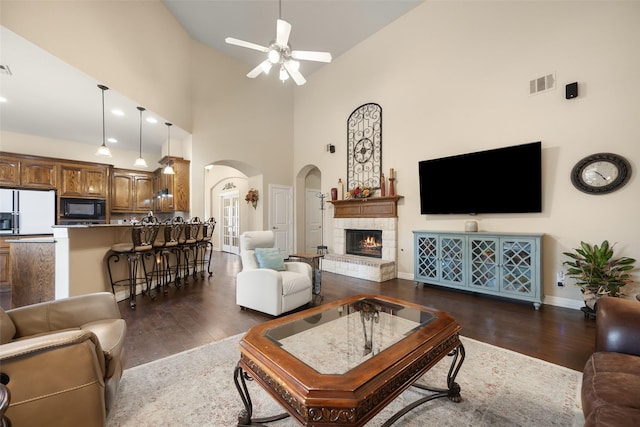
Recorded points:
(80, 254)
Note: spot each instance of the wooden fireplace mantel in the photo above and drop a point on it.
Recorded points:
(372, 207)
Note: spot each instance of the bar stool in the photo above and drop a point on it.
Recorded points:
(143, 234)
(163, 270)
(203, 242)
(187, 247)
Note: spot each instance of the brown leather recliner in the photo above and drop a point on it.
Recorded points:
(64, 360)
(611, 377)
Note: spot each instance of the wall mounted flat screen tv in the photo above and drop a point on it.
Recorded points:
(502, 180)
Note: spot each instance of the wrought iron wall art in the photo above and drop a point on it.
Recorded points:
(364, 147)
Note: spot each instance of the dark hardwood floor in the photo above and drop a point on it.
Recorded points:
(205, 311)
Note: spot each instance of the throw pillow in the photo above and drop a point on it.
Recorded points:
(270, 258)
(7, 328)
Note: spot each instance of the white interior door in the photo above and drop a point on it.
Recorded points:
(281, 217)
(230, 205)
(314, 225)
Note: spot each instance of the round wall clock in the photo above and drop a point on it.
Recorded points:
(601, 173)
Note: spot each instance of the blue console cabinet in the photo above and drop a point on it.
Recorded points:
(500, 264)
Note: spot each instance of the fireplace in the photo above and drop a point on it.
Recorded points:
(374, 215)
(364, 242)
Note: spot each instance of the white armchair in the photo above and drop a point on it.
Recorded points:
(271, 291)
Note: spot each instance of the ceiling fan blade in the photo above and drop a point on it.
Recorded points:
(243, 43)
(263, 67)
(307, 55)
(283, 30)
(294, 73)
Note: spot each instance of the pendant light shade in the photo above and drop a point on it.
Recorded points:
(103, 150)
(168, 170)
(140, 161)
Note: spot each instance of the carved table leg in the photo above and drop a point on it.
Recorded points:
(452, 391)
(244, 419)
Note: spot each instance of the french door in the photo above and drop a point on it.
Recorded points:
(230, 203)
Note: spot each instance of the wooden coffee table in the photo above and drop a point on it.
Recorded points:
(341, 363)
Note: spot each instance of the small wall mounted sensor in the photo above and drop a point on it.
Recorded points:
(571, 90)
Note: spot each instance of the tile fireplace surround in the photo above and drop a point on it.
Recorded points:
(375, 213)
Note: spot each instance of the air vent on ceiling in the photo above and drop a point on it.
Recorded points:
(4, 69)
(542, 84)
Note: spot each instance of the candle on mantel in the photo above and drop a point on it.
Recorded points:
(391, 173)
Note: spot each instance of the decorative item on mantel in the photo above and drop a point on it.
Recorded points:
(252, 197)
(340, 189)
(392, 178)
(360, 192)
(383, 186)
(334, 193)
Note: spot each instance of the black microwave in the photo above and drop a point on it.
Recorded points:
(83, 208)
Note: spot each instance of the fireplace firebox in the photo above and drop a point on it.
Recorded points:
(364, 242)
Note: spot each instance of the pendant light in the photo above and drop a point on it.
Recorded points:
(168, 170)
(103, 150)
(140, 161)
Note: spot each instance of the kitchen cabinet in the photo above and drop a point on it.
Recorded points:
(173, 190)
(35, 173)
(132, 191)
(21, 171)
(84, 180)
(9, 171)
(499, 264)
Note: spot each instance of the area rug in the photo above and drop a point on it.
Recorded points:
(499, 388)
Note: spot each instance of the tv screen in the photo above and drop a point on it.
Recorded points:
(502, 180)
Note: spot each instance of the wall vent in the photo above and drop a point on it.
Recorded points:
(542, 84)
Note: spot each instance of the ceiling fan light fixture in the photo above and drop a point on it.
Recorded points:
(283, 74)
(273, 56)
(103, 150)
(279, 52)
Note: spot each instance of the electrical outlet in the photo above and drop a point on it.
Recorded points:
(560, 278)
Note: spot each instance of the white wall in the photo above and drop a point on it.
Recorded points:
(453, 77)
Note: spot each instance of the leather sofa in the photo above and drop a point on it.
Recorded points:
(611, 377)
(63, 360)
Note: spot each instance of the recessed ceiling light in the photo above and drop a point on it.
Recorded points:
(112, 140)
(117, 112)
(152, 120)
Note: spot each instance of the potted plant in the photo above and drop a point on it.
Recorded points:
(597, 272)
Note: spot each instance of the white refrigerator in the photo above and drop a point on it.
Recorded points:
(31, 211)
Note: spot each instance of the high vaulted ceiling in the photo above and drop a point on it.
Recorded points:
(50, 98)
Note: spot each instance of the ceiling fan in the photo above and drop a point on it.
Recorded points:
(279, 53)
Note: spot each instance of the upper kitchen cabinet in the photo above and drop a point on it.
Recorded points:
(9, 171)
(176, 185)
(132, 191)
(79, 179)
(28, 172)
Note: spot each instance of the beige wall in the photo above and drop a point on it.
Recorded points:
(453, 77)
(137, 48)
(140, 50)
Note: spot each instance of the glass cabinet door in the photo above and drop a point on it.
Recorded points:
(452, 260)
(516, 266)
(484, 263)
(426, 257)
